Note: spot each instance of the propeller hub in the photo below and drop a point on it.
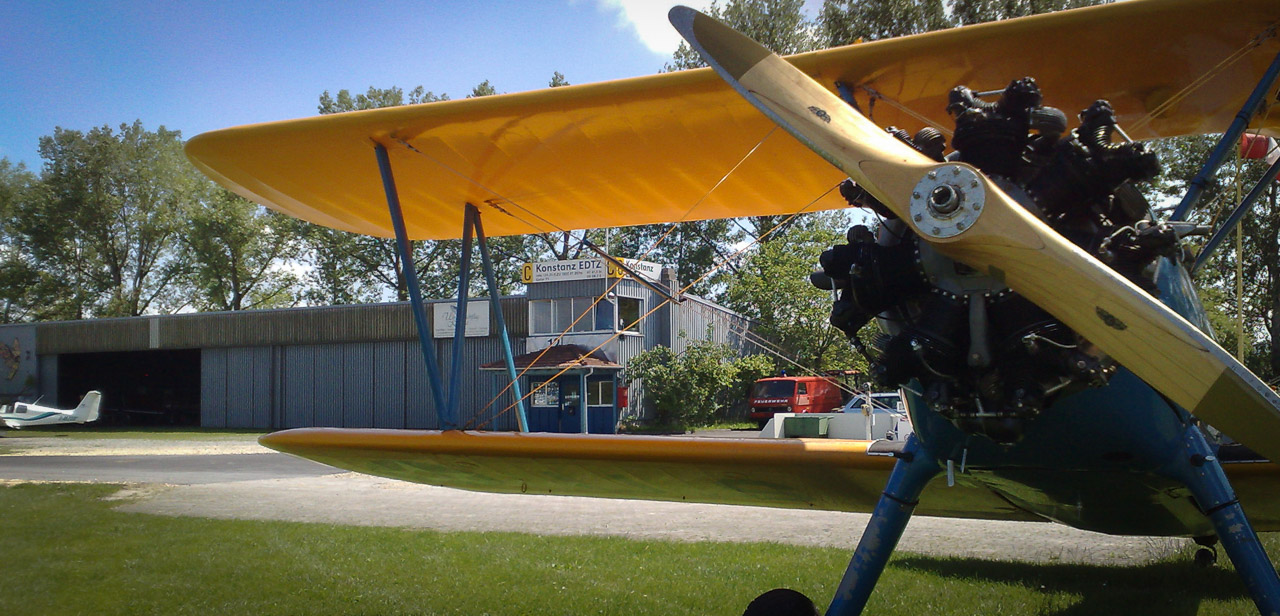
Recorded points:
(944, 200)
(947, 201)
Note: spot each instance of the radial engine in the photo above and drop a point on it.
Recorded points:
(988, 359)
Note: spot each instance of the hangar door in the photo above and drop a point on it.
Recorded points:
(152, 388)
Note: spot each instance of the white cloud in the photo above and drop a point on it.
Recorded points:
(647, 20)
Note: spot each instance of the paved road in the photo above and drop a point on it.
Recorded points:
(178, 470)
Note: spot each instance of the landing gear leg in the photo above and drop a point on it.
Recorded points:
(1202, 473)
(915, 467)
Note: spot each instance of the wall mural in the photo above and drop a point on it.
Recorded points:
(12, 356)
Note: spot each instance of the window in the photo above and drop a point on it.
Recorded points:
(629, 311)
(604, 315)
(564, 314)
(554, 316)
(802, 389)
(542, 315)
(548, 395)
(774, 389)
(581, 306)
(600, 393)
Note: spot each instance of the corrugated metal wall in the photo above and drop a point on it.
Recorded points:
(298, 378)
(388, 388)
(294, 326)
(357, 399)
(49, 379)
(568, 288)
(97, 335)
(356, 385)
(236, 387)
(703, 320)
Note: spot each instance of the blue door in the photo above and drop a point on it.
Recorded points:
(570, 404)
(554, 406)
(544, 406)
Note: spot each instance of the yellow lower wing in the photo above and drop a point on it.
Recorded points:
(831, 475)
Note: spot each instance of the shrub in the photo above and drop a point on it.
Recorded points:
(695, 387)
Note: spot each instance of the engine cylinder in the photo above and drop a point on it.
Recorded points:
(987, 358)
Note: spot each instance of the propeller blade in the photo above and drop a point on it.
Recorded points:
(968, 218)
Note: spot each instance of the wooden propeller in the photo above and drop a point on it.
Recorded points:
(968, 218)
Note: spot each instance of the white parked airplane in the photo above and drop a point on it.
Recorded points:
(22, 415)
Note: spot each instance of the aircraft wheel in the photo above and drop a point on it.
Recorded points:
(781, 602)
(1206, 557)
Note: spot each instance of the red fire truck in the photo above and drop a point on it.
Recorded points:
(798, 394)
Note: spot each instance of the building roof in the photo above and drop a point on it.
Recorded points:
(558, 357)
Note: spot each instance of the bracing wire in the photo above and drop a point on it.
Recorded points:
(1204, 78)
(513, 204)
(716, 267)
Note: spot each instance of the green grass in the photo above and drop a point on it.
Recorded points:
(67, 552)
(731, 425)
(666, 429)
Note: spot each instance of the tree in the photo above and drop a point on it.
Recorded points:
(772, 288)
(236, 251)
(484, 88)
(980, 11)
(375, 98)
(693, 388)
(779, 25)
(1257, 306)
(102, 228)
(19, 280)
(842, 22)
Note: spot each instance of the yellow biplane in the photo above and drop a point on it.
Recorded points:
(1037, 314)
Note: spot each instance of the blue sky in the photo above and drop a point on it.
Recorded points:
(199, 65)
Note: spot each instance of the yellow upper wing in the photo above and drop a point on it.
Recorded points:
(655, 149)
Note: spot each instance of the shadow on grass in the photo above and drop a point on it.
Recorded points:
(1165, 588)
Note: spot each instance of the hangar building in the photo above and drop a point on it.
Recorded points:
(361, 365)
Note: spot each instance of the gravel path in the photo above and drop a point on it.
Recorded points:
(54, 446)
(351, 498)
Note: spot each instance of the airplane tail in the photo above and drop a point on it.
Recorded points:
(88, 409)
